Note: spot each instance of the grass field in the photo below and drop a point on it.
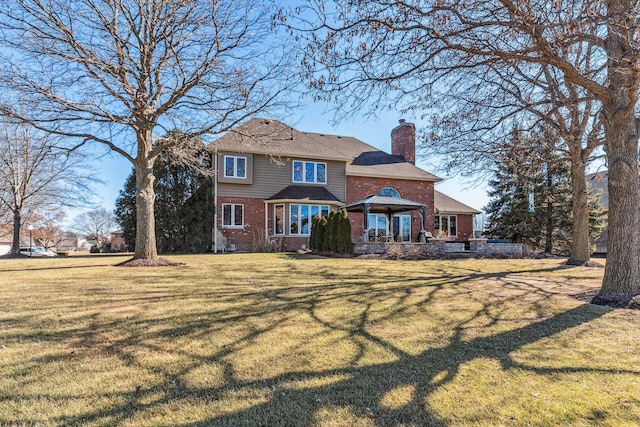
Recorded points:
(289, 340)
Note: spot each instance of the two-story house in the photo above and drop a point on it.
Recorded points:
(271, 179)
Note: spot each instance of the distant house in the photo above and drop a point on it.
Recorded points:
(6, 239)
(117, 241)
(69, 242)
(272, 179)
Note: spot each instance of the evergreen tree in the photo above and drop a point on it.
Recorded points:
(125, 211)
(313, 237)
(317, 239)
(531, 164)
(343, 232)
(183, 209)
(330, 238)
(322, 234)
(597, 217)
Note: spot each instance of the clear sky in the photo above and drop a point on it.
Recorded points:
(113, 169)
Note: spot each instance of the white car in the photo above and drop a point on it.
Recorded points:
(36, 251)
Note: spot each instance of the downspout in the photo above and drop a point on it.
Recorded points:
(215, 201)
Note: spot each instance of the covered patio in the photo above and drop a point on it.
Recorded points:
(389, 206)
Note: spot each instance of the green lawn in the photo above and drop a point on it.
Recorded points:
(277, 339)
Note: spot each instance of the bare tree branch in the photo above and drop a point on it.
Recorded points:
(125, 73)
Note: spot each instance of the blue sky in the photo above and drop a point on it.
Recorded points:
(113, 169)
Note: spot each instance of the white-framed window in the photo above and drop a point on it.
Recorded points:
(446, 225)
(309, 172)
(300, 217)
(402, 228)
(278, 220)
(379, 228)
(235, 167)
(232, 215)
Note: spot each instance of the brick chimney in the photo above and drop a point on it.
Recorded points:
(403, 141)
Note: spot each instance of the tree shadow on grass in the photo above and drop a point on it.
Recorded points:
(363, 389)
(356, 391)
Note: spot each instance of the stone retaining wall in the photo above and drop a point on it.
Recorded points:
(439, 247)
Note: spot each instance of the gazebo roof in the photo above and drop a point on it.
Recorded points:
(384, 204)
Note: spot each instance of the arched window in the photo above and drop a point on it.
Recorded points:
(389, 191)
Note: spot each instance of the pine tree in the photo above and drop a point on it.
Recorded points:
(531, 164)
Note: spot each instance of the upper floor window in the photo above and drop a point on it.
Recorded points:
(309, 172)
(235, 167)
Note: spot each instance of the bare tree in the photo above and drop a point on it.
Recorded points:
(48, 233)
(383, 54)
(124, 73)
(36, 177)
(470, 133)
(96, 225)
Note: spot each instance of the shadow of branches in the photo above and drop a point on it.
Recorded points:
(302, 342)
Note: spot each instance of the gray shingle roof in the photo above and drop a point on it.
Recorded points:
(444, 203)
(305, 192)
(274, 138)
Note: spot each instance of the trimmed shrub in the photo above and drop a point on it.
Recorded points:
(343, 232)
(332, 229)
(317, 235)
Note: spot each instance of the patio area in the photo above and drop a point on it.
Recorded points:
(443, 246)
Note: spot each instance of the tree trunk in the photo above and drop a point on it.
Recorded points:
(622, 272)
(17, 222)
(580, 248)
(145, 215)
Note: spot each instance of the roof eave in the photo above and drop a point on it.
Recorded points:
(392, 176)
(306, 200)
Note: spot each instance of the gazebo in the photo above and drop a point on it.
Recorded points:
(389, 206)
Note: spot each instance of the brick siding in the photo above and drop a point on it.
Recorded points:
(403, 141)
(359, 187)
(465, 227)
(252, 236)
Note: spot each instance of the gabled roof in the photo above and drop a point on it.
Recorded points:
(306, 192)
(384, 204)
(445, 204)
(274, 138)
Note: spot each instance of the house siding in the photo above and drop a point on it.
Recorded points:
(251, 237)
(465, 227)
(269, 177)
(418, 191)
